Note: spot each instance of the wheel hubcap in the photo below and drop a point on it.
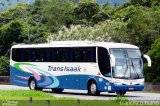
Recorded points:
(93, 88)
(32, 85)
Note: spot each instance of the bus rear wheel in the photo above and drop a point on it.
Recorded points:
(92, 88)
(121, 93)
(56, 90)
(32, 84)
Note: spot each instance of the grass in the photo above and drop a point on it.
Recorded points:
(62, 103)
(26, 94)
(22, 98)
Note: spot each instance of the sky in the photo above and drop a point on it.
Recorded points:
(112, 2)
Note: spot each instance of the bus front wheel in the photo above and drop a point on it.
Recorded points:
(92, 88)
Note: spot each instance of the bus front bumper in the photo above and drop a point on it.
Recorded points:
(128, 87)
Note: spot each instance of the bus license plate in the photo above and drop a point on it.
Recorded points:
(131, 89)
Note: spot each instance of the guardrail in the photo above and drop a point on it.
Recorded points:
(4, 79)
(151, 87)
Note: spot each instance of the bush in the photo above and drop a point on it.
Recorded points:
(153, 75)
(104, 31)
(4, 66)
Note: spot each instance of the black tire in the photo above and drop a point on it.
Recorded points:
(122, 93)
(92, 88)
(32, 84)
(56, 90)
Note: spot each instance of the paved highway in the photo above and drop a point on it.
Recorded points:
(81, 94)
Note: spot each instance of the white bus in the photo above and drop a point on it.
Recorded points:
(93, 66)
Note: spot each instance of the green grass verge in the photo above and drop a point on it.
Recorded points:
(75, 103)
(61, 103)
(26, 94)
(22, 98)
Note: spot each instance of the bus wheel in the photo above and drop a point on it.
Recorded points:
(92, 88)
(121, 93)
(32, 84)
(56, 90)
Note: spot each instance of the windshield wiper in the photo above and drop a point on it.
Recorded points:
(134, 68)
(126, 69)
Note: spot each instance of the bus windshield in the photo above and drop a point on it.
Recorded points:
(129, 63)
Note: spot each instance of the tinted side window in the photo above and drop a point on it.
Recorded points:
(83, 54)
(75, 54)
(91, 54)
(16, 54)
(104, 61)
(63, 54)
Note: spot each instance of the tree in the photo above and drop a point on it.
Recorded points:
(86, 10)
(125, 14)
(16, 12)
(142, 24)
(9, 33)
(101, 16)
(58, 13)
(155, 2)
(153, 74)
(141, 2)
(103, 31)
(143, 28)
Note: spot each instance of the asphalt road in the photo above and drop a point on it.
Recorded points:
(82, 94)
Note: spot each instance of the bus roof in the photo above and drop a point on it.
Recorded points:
(76, 44)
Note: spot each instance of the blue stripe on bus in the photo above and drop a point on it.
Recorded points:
(70, 82)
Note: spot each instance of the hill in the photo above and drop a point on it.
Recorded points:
(14, 2)
(111, 2)
(4, 4)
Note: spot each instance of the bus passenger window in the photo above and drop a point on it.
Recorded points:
(78, 55)
(53, 55)
(27, 56)
(91, 55)
(33, 55)
(21, 55)
(48, 55)
(16, 54)
(63, 54)
(41, 51)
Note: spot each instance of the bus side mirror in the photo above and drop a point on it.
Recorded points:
(113, 60)
(148, 60)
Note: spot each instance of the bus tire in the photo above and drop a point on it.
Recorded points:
(92, 88)
(32, 84)
(57, 90)
(121, 93)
